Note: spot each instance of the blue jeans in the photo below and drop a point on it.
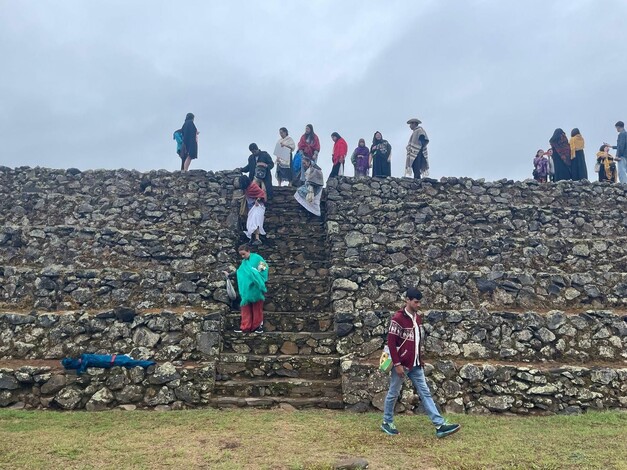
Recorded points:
(417, 377)
(622, 170)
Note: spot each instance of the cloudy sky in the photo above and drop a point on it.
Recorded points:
(104, 83)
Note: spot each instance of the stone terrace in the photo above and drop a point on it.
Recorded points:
(525, 287)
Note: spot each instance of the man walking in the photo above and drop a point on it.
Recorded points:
(417, 154)
(404, 342)
(621, 151)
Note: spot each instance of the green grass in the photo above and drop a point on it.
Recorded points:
(312, 439)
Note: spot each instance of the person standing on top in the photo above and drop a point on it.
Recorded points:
(621, 151)
(361, 160)
(259, 165)
(380, 156)
(190, 141)
(405, 342)
(578, 168)
(540, 167)
(340, 149)
(417, 154)
(283, 153)
(561, 155)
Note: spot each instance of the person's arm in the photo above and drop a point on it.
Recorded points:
(269, 161)
(389, 152)
(423, 141)
(246, 169)
(621, 150)
(393, 342)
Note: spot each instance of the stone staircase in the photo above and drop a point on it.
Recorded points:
(295, 360)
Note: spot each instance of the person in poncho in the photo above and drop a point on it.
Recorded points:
(308, 147)
(360, 159)
(190, 141)
(252, 276)
(283, 153)
(417, 155)
(561, 155)
(380, 156)
(310, 193)
(578, 168)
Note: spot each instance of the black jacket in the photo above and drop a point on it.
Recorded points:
(189, 139)
(263, 157)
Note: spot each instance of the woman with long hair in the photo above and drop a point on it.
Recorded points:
(340, 149)
(540, 167)
(283, 153)
(256, 205)
(380, 156)
(578, 159)
(189, 150)
(360, 159)
(561, 155)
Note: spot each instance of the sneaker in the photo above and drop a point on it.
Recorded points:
(259, 330)
(256, 242)
(389, 428)
(446, 429)
(237, 330)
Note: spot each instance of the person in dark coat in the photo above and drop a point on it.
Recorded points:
(561, 155)
(104, 361)
(190, 141)
(578, 168)
(259, 168)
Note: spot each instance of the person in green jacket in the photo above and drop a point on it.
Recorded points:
(252, 276)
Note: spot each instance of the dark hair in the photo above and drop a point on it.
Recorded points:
(244, 182)
(574, 132)
(413, 293)
(539, 152)
(310, 138)
(336, 135)
(189, 116)
(245, 247)
(374, 137)
(284, 130)
(602, 149)
(252, 147)
(556, 135)
(620, 124)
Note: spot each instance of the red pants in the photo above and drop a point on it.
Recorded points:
(252, 316)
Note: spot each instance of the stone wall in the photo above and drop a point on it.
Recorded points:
(470, 243)
(93, 239)
(163, 387)
(478, 334)
(482, 388)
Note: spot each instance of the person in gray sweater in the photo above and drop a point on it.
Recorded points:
(621, 151)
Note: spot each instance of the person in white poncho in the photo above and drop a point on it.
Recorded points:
(283, 153)
(310, 193)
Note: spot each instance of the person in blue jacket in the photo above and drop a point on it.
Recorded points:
(104, 361)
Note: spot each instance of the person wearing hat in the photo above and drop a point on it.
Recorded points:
(417, 155)
(405, 343)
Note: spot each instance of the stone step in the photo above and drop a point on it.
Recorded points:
(498, 387)
(248, 366)
(373, 287)
(279, 387)
(280, 342)
(537, 253)
(334, 403)
(313, 322)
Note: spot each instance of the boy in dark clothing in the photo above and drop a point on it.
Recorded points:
(404, 342)
(259, 163)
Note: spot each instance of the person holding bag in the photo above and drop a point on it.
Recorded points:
(259, 165)
(404, 343)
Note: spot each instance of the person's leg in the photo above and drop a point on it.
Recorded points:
(335, 170)
(622, 171)
(247, 318)
(257, 315)
(417, 376)
(182, 163)
(188, 160)
(396, 382)
(416, 167)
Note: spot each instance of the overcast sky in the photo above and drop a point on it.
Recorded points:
(103, 84)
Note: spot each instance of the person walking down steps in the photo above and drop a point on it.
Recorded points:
(252, 276)
(405, 343)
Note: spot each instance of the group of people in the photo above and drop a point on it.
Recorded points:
(565, 160)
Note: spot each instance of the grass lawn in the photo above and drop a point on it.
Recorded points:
(310, 439)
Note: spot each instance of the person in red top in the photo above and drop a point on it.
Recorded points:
(340, 149)
(405, 342)
(309, 147)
